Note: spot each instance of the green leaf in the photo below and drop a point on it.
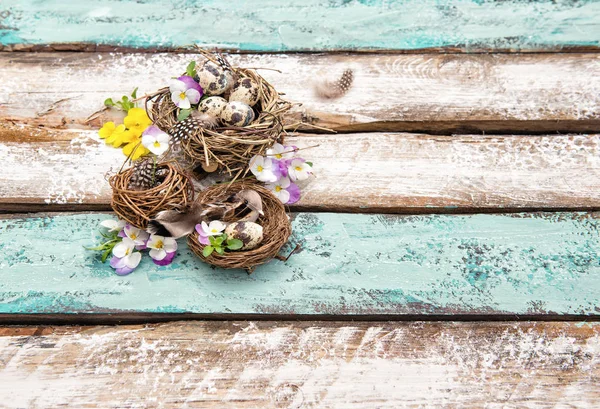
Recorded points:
(134, 93)
(183, 114)
(212, 240)
(220, 250)
(207, 251)
(106, 254)
(219, 240)
(234, 244)
(190, 69)
(309, 163)
(109, 102)
(125, 99)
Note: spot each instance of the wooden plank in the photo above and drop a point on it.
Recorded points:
(304, 365)
(369, 265)
(379, 172)
(308, 25)
(538, 93)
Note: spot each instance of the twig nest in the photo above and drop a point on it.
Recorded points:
(276, 228)
(137, 207)
(237, 114)
(246, 128)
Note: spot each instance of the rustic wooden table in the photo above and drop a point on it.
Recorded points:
(450, 245)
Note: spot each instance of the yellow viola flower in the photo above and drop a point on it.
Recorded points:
(107, 130)
(137, 148)
(137, 121)
(115, 135)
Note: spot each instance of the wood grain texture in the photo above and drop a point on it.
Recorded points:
(523, 264)
(466, 25)
(541, 93)
(304, 365)
(377, 172)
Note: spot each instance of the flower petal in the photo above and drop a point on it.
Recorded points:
(193, 96)
(294, 191)
(165, 261)
(283, 195)
(184, 103)
(190, 83)
(177, 86)
(158, 254)
(133, 259)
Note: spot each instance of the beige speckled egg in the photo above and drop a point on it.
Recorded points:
(212, 78)
(237, 114)
(212, 106)
(250, 233)
(245, 90)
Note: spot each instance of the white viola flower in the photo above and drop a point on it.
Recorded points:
(161, 246)
(125, 259)
(113, 225)
(185, 91)
(279, 152)
(298, 169)
(279, 189)
(263, 169)
(138, 236)
(155, 140)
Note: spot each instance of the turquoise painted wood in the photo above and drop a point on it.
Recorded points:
(285, 25)
(349, 264)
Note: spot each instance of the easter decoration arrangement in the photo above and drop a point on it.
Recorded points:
(206, 160)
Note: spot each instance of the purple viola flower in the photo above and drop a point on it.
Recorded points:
(285, 190)
(185, 91)
(125, 259)
(162, 249)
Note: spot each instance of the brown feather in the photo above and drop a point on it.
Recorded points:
(327, 89)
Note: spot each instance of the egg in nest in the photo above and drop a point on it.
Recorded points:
(245, 90)
(249, 233)
(237, 114)
(212, 106)
(212, 78)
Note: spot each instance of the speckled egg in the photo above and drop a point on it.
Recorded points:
(250, 233)
(212, 78)
(245, 90)
(237, 114)
(212, 106)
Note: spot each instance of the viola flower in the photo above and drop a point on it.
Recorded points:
(138, 236)
(125, 259)
(185, 91)
(298, 169)
(115, 135)
(113, 225)
(263, 169)
(155, 140)
(137, 121)
(280, 152)
(135, 149)
(215, 228)
(162, 249)
(285, 190)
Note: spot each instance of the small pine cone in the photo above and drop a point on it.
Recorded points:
(143, 176)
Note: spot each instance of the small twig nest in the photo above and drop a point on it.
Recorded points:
(137, 207)
(275, 223)
(231, 148)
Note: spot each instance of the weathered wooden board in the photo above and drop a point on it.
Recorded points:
(539, 93)
(304, 365)
(274, 25)
(376, 265)
(375, 172)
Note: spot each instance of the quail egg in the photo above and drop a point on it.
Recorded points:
(250, 234)
(237, 114)
(212, 106)
(212, 78)
(245, 90)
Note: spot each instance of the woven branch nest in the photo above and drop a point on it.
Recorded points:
(228, 146)
(275, 222)
(137, 207)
